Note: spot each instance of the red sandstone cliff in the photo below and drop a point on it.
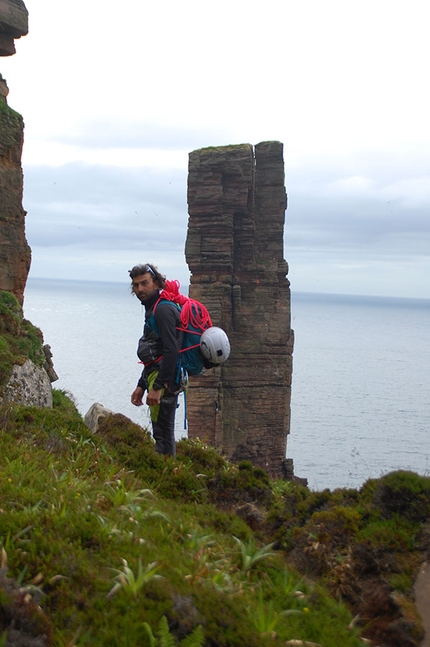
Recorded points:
(15, 253)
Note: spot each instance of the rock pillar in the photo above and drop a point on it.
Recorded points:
(234, 250)
(15, 252)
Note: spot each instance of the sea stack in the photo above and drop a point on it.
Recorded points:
(235, 253)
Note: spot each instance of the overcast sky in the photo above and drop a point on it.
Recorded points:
(115, 95)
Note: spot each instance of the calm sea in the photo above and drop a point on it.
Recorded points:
(360, 399)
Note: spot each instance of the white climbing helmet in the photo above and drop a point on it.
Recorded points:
(215, 345)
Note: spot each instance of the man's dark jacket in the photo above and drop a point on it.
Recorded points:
(159, 352)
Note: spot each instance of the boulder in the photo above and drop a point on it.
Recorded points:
(95, 414)
(29, 385)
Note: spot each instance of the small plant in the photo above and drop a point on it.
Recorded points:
(290, 585)
(267, 618)
(131, 583)
(121, 495)
(164, 638)
(251, 556)
(401, 582)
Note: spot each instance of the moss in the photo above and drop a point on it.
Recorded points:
(19, 339)
(402, 582)
(10, 313)
(205, 458)
(226, 621)
(7, 110)
(403, 493)
(245, 148)
(11, 128)
(395, 534)
(242, 484)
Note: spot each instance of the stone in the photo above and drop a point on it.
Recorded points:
(234, 250)
(95, 414)
(29, 385)
(13, 24)
(15, 253)
(4, 90)
(252, 515)
(48, 364)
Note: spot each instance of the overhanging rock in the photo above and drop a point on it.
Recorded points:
(13, 24)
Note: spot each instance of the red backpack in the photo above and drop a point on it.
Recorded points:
(194, 320)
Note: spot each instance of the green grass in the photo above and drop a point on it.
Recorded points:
(116, 547)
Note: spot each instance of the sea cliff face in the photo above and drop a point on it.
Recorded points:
(24, 366)
(15, 253)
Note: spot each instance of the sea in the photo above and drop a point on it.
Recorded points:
(360, 405)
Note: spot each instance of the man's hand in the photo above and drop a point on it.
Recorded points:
(136, 396)
(153, 397)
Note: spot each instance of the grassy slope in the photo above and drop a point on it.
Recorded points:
(104, 542)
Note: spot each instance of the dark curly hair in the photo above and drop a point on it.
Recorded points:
(137, 270)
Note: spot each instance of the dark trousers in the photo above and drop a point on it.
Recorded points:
(163, 429)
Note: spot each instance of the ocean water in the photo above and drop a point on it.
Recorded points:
(360, 397)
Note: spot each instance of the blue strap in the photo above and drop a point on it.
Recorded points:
(185, 410)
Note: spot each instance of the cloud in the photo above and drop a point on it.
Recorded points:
(136, 133)
(381, 207)
(95, 204)
(346, 220)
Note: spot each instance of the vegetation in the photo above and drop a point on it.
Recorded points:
(19, 339)
(11, 126)
(105, 542)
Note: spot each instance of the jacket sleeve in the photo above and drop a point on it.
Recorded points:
(167, 320)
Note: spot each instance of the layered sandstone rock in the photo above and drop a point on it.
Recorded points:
(234, 249)
(15, 253)
(28, 383)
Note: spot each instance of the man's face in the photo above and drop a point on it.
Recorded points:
(144, 286)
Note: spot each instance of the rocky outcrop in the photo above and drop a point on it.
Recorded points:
(13, 24)
(29, 386)
(15, 253)
(26, 368)
(234, 249)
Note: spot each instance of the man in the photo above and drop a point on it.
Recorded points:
(158, 350)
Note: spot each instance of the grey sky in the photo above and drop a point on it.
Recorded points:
(114, 100)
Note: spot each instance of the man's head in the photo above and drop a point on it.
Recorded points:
(146, 280)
